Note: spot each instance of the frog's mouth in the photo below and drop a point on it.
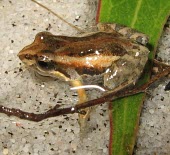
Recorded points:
(51, 73)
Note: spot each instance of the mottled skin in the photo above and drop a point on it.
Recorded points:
(119, 59)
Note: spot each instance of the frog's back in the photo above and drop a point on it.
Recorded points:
(118, 59)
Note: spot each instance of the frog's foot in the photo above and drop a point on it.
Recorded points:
(125, 31)
(84, 116)
(159, 66)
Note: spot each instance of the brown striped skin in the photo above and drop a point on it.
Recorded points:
(125, 31)
(70, 58)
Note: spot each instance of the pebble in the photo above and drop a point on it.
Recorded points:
(5, 151)
(151, 111)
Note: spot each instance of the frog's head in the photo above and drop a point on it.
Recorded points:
(40, 55)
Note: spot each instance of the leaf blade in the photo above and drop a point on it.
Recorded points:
(147, 16)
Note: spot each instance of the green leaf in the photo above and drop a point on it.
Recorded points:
(149, 17)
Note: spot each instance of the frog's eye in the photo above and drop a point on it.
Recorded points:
(45, 64)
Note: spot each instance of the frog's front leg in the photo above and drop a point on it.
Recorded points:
(125, 31)
(85, 113)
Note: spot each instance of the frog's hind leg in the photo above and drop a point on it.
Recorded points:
(125, 31)
(126, 70)
(120, 76)
(85, 113)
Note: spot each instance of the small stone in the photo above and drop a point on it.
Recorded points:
(42, 85)
(5, 151)
(11, 51)
(105, 150)
(12, 140)
(151, 111)
(25, 149)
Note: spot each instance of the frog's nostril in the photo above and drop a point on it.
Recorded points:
(28, 56)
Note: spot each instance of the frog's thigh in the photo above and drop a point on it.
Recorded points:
(123, 72)
(125, 31)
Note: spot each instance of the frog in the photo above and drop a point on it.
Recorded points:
(116, 55)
